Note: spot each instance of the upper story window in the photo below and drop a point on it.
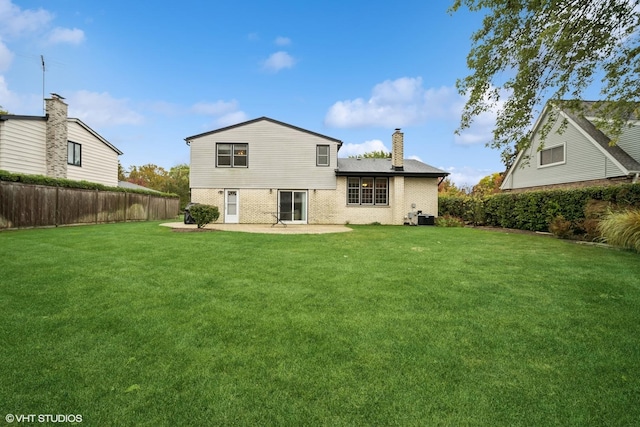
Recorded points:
(367, 191)
(322, 155)
(74, 153)
(232, 155)
(552, 155)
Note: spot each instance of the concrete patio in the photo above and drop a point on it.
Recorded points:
(262, 228)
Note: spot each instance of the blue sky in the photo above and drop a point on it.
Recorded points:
(146, 75)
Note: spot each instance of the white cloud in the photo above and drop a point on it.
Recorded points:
(395, 103)
(66, 35)
(6, 57)
(231, 119)
(405, 102)
(351, 149)
(283, 41)
(481, 130)
(101, 109)
(226, 113)
(466, 177)
(214, 108)
(5, 93)
(20, 104)
(279, 61)
(14, 21)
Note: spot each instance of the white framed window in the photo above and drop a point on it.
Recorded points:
(552, 155)
(367, 191)
(74, 153)
(232, 155)
(322, 155)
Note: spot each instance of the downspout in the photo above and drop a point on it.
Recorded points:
(636, 178)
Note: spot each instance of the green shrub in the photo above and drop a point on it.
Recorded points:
(622, 229)
(449, 221)
(535, 210)
(204, 214)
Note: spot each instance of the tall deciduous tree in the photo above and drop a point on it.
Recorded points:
(529, 52)
(448, 188)
(149, 175)
(176, 180)
(178, 183)
(490, 184)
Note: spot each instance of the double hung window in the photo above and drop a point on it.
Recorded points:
(322, 155)
(232, 155)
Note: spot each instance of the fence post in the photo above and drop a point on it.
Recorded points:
(56, 213)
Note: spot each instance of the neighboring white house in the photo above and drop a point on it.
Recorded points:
(57, 146)
(263, 170)
(580, 155)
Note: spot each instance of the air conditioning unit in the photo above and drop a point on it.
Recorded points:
(426, 219)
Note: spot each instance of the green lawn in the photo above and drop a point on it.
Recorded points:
(133, 324)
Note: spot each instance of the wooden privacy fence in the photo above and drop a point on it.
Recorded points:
(31, 205)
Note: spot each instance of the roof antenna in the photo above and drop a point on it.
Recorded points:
(44, 104)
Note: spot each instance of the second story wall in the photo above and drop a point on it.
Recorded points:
(99, 163)
(279, 157)
(22, 146)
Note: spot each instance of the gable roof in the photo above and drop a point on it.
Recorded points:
(69, 119)
(592, 134)
(95, 134)
(603, 141)
(259, 119)
(382, 167)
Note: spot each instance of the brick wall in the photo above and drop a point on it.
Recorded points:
(330, 206)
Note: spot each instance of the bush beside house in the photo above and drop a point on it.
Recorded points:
(571, 213)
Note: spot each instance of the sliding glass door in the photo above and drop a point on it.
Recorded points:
(293, 206)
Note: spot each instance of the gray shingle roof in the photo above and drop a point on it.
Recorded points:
(603, 140)
(379, 167)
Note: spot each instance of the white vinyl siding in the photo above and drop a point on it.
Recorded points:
(629, 141)
(584, 161)
(22, 146)
(280, 157)
(99, 161)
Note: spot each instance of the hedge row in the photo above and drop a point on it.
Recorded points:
(535, 210)
(67, 183)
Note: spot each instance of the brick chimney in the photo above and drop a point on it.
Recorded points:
(397, 151)
(56, 144)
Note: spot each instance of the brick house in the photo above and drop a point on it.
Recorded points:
(57, 146)
(264, 170)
